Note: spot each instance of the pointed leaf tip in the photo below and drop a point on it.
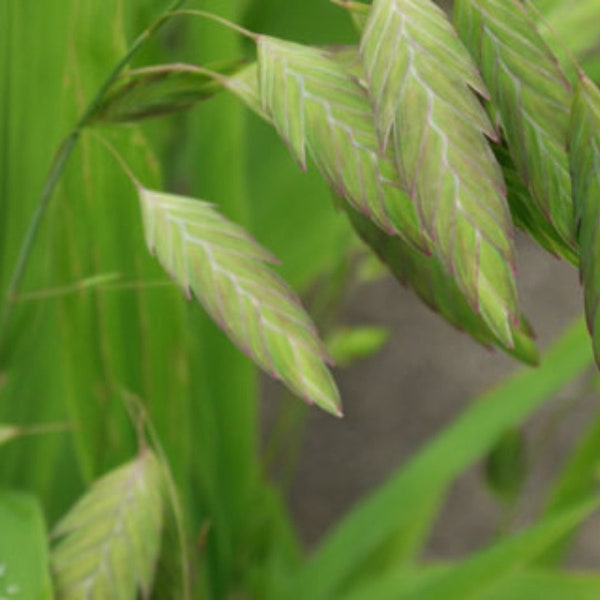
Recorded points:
(225, 269)
(421, 81)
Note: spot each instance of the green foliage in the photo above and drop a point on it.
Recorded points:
(425, 273)
(423, 102)
(397, 128)
(585, 169)
(524, 584)
(477, 575)
(24, 565)
(157, 91)
(571, 29)
(111, 537)
(350, 344)
(224, 267)
(487, 572)
(532, 97)
(316, 103)
(577, 480)
(392, 524)
(506, 466)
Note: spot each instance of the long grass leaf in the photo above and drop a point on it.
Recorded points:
(320, 108)
(577, 480)
(224, 267)
(427, 275)
(403, 503)
(157, 91)
(585, 170)
(483, 572)
(24, 564)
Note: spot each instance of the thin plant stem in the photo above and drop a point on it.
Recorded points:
(140, 418)
(217, 19)
(95, 283)
(60, 162)
(46, 428)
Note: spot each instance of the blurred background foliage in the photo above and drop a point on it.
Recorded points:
(74, 353)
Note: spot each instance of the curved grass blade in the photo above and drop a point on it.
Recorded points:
(489, 572)
(111, 537)
(529, 583)
(157, 91)
(532, 97)
(577, 480)
(318, 106)
(419, 75)
(390, 516)
(585, 170)
(429, 279)
(225, 268)
(493, 566)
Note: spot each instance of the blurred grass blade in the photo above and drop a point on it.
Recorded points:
(225, 268)
(529, 584)
(497, 572)
(533, 99)
(319, 108)
(421, 80)
(156, 91)
(348, 345)
(506, 466)
(111, 537)
(400, 512)
(549, 585)
(24, 565)
(584, 150)
(577, 480)
(489, 568)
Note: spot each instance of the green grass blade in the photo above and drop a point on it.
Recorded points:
(528, 583)
(577, 480)
(489, 568)
(24, 564)
(402, 507)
